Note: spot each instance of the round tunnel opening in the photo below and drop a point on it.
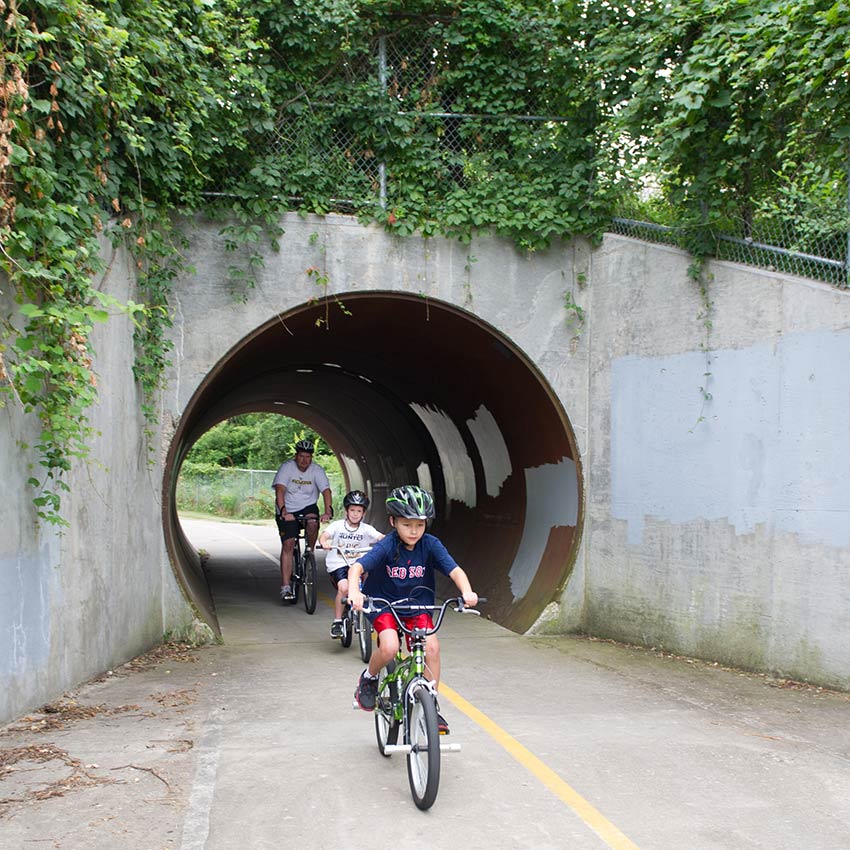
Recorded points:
(412, 390)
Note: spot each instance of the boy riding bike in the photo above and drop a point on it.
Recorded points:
(353, 537)
(402, 565)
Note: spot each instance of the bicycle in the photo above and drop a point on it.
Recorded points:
(304, 573)
(407, 700)
(355, 622)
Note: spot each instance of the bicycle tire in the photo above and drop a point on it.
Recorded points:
(311, 582)
(347, 626)
(364, 637)
(386, 726)
(423, 761)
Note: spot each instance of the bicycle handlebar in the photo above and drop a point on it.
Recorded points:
(410, 604)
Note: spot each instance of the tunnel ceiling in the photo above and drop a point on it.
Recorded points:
(407, 390)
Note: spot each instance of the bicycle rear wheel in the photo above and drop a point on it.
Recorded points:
(364, 636)
(311, 588)
(386, 726)
(423, 761)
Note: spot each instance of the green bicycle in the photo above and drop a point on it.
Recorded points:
(407, 700)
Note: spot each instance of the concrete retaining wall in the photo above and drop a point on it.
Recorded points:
(719, 527)
(715, 527)
(76, 603)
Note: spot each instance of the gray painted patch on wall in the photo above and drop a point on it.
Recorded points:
(773, 447)
(458, 472)
(25, 619)
(551, 502)
(491, 448)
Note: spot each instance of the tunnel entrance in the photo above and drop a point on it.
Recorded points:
(412, 390)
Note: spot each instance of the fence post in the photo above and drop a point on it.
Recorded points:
(847, 246)
(382, 76)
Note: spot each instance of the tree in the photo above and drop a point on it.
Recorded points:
(727, 100)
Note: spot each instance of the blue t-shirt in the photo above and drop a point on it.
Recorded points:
(395, 572)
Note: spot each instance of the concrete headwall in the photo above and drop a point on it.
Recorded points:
(716, 469)
(718, 497)
(77, 602)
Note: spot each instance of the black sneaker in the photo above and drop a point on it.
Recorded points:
(367, 692)
(286, 594)
(442, 725)
(336, 629)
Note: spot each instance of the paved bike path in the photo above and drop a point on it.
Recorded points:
(566, 743)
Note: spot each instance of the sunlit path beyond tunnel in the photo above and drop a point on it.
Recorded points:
(408, 389)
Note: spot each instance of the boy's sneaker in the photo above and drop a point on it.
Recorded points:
(286, 594)
(367, 692)
(442, 725)
(336, 629)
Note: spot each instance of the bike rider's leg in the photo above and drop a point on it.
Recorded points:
(367, 685)
(432, 671)
(385, 651)
(311, 530)
(341, 593)
(432, 658)
(286, 561)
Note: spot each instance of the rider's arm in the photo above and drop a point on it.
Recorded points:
(326, 494)
(355, 596)
(280, 498)
(459, 577)
(325, 539)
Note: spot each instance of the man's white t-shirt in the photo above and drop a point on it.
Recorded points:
(352, 541)
(302, 488)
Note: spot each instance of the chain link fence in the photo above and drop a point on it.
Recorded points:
(416, 121)
(774, 247)
(239, 493)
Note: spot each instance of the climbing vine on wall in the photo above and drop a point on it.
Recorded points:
(112, 116)
(527, 118)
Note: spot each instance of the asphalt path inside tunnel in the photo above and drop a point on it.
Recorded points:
(566, 742)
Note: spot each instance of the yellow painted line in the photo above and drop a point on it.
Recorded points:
(588, 813)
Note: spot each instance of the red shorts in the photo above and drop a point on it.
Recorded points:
(387, 621)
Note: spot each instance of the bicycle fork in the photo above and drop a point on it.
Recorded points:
(409, 697)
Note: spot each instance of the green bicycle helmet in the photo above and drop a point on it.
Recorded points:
(411, 502)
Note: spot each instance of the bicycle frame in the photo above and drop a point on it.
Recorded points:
(304, 573)
(407, 701)
(408, 674)
(354, 622)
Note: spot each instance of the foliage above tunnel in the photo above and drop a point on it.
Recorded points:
(533, 119)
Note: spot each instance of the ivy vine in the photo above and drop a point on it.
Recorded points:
(527, 118)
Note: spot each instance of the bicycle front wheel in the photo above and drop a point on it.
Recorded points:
(347, 626)
(423, 760)
(386, 726)
(311, 588)
(364, 635)
(296, 577)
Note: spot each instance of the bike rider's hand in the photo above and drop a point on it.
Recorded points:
(356, 599)
(470, 599)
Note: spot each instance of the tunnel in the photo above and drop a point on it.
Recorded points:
(406, 389)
